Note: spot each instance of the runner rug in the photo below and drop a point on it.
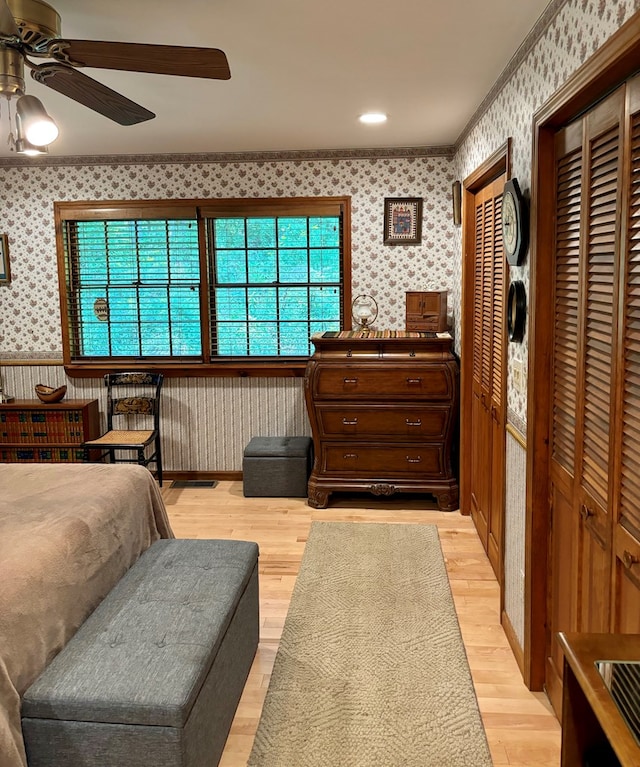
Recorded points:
(371, 670)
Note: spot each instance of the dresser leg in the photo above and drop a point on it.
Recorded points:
(448, 501)
(318, 499)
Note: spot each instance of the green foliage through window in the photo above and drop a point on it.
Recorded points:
(277, 281)
(137, 288)
(201, 288)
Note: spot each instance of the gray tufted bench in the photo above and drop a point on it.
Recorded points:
(154, 675)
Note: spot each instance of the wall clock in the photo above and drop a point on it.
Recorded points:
(516, 311)
(515, 223)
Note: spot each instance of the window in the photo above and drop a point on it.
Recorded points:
(276, 281)
(208, 284)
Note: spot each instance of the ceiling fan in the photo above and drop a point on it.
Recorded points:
(32, 28)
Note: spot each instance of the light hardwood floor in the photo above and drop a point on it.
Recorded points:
(521, 728)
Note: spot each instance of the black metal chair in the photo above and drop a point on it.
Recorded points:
(141, 405)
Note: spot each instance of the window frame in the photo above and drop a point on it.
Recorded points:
(200, 210)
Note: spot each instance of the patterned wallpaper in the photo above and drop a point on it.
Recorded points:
(29, 311)
(557, 47)
(566, 36)
(564, 42)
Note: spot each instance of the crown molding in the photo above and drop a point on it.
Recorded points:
(525, 48)
(415, 152)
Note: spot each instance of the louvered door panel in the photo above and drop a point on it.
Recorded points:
(599, 296)
(629, 505)
(498, 313)
(488, 402)
(477, 296)
(488, 225)
(480, 480)
(498, 388)
(565, 342)
(562, 581)
(599, 309)
(626, 571)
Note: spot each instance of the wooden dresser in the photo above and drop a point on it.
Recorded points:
(383, 407)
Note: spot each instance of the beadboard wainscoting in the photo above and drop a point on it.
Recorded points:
(514, 534)
(206, 422)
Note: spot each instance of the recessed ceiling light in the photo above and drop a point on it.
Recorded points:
(372, 118)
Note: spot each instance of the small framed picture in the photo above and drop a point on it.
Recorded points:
(456, 196)
(402, 220)
(5, 273)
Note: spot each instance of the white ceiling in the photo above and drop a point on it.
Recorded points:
(301, 73)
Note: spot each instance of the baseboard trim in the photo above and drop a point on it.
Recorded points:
(224, 476)
(512, 638)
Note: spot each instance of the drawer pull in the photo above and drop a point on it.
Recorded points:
(413, 423)
(350, 456)
(414, 460)
(585, 512)
(347, 422)
(412, 381)
(350, 380)
(628, 560)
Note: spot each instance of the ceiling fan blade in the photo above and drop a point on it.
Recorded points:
(89, 92)
(8, 26)
(140, 57)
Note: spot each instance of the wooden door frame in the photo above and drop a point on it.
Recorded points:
(495, 165)
(613, 63)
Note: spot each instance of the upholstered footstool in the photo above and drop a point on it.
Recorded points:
(154, 675)
(277, 466)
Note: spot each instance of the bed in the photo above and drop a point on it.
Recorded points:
(67, 534)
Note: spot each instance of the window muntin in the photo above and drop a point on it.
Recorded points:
(145, 284)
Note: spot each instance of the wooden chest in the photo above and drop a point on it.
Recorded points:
(383, 408)
(426, 310)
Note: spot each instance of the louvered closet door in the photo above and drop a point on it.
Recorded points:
(596, 373)
(562, 554)
(489, 346)
(586, 268)
(626, 531)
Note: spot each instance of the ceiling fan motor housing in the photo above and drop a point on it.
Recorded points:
(11, 72)
(37, 21)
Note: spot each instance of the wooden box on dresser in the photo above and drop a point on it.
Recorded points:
(426, 310)
(32, 431)
(383, 407)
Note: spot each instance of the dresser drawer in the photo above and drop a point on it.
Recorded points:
(397, 422)
(382, 461)
(422, 325)
(378, 381)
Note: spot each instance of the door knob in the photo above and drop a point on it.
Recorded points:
(586, 512)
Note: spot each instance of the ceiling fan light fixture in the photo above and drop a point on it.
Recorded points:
(35, 125)
(373, 118)
(22, 146)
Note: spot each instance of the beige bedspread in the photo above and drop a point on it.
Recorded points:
(67, 534)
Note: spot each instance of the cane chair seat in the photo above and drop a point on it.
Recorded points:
(132, 437)
(140, 405)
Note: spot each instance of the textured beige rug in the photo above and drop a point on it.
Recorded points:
(371, 670)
